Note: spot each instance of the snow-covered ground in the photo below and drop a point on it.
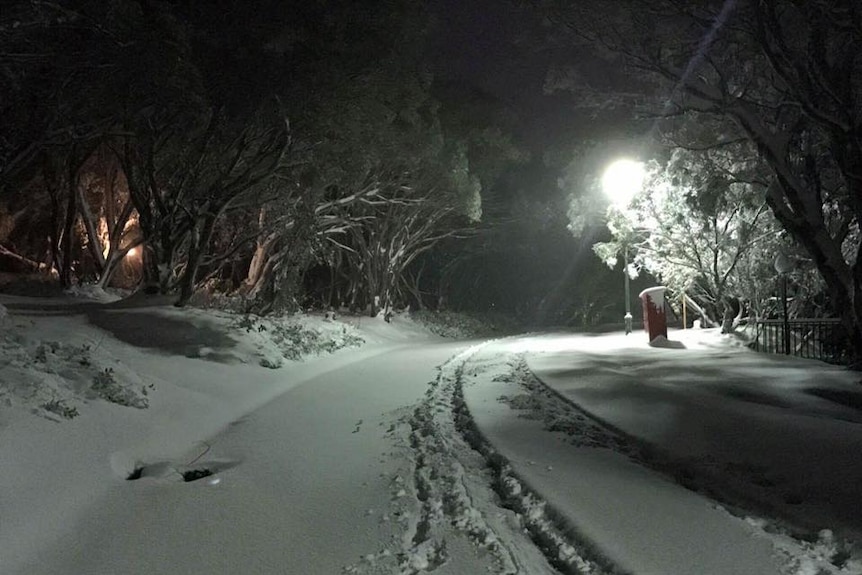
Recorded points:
(410, 453)
(704, 459)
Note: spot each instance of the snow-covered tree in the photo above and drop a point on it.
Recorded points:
(701, 226)
(693, 226)
(780, 75)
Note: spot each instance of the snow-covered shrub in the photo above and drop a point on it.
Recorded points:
(250, 323)
(59, 407)
(271, 362)
(50, 377)
(460, 325)
(82, 355)
(209, 297)
(296, 341)
(53, 354)
(43, 349)
(294, 337)
(108, 388)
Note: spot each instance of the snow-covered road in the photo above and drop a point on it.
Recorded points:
(410, 455)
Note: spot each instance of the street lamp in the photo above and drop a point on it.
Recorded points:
(622, 180)
(784, 265)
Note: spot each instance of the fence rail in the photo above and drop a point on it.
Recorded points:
(823, 338)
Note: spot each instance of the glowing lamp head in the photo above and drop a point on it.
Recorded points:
(622, 180)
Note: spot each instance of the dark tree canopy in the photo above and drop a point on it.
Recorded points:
(240, 149)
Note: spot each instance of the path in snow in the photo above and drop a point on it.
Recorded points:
(458, 485)
(314, 482)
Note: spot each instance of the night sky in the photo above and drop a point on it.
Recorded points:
(501, 49)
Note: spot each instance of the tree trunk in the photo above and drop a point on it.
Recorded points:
(155, 220)
(704, 316)
(112, 264)
(331, 302)
(53, 184)
(260, 265)
(150, 270)
(413, 287)
(116, 232)
(68, 236)
(198, 242)
(24, 261)
(731, 315)
(843, 282)
(94, 242)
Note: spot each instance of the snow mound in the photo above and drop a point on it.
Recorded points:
(91, 292)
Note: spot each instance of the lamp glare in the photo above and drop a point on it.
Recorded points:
(622, 180)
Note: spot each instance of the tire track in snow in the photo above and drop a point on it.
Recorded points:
(559, 414)
(459, 481)
(562, 545)
(442, 468)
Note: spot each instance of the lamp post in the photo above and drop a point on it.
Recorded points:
(783, 265)
(621, 181)
(627, 319)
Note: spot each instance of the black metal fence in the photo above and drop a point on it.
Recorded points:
(824, 338)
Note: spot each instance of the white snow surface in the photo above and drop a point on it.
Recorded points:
(774, 439)
(412, 454)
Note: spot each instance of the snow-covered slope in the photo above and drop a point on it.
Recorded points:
(174, 379)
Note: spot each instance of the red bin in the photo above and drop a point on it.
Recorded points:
(655, 321)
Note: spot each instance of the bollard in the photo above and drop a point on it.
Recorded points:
(655, 320)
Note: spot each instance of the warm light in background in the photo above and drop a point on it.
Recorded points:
(622, 180)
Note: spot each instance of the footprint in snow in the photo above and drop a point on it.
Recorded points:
(193, 467)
